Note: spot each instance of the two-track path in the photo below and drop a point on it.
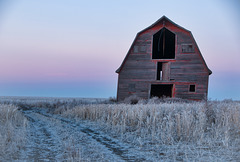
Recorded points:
(55, 138)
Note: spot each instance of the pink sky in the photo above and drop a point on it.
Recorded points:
(72, 48)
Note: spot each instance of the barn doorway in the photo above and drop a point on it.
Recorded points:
(163, 44)
(161, 90)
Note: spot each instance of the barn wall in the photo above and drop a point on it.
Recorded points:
(139, 70)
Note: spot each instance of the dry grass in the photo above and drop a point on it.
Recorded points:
(170, 129)
(213, 126)
(12, 131)
(49, 102)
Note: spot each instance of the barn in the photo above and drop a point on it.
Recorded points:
(163, 61)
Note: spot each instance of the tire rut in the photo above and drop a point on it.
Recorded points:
(42, 144)
(123, 151)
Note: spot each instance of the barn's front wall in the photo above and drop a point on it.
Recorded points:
(139, 71)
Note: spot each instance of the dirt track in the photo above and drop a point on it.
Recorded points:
(52, 137)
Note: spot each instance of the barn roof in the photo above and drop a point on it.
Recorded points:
(162, 18)
(165, 18)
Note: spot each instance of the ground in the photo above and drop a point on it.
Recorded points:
(96, 130)
(51, 137)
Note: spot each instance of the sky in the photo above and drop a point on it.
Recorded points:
(72, 48)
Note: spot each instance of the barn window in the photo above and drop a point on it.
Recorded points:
(159, 71)
(143, 48)
(187, 48)
(135, 49)
(192, 88)
(131, 88)
(163, 45)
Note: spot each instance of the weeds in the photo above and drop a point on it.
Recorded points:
(12, 130)
(212, 125)
(172, 129)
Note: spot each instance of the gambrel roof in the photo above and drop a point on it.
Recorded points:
(153, 25)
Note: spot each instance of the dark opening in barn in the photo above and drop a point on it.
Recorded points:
(163, 44)
(161, 90)
(192, 88)
(159, 71)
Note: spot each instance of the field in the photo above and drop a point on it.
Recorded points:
(77, 129)
(12, 131)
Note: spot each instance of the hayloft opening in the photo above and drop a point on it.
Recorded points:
(163, 44)
(162, 90)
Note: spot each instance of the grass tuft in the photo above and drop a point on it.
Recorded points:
(12, 131)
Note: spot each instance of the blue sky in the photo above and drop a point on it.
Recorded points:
(72, 48)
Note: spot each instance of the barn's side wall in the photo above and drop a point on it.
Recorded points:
(139, 69)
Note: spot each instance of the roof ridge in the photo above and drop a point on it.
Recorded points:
(163, 17)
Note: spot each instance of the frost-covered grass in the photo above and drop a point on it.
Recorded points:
(12, 131)
(197, 130)
(14, 126)
(49, 102)
(169, 130)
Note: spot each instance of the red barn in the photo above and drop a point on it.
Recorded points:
(164, 61)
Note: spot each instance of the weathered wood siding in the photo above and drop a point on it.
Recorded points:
(138, 71)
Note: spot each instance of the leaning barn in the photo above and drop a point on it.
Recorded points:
(164, 61)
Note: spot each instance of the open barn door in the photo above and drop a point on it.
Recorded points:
(161, 90)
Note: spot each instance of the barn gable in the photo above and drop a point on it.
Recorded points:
(158, 24)
(163, 60)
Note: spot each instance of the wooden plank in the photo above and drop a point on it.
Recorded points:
(142, 63)
(137, 56)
